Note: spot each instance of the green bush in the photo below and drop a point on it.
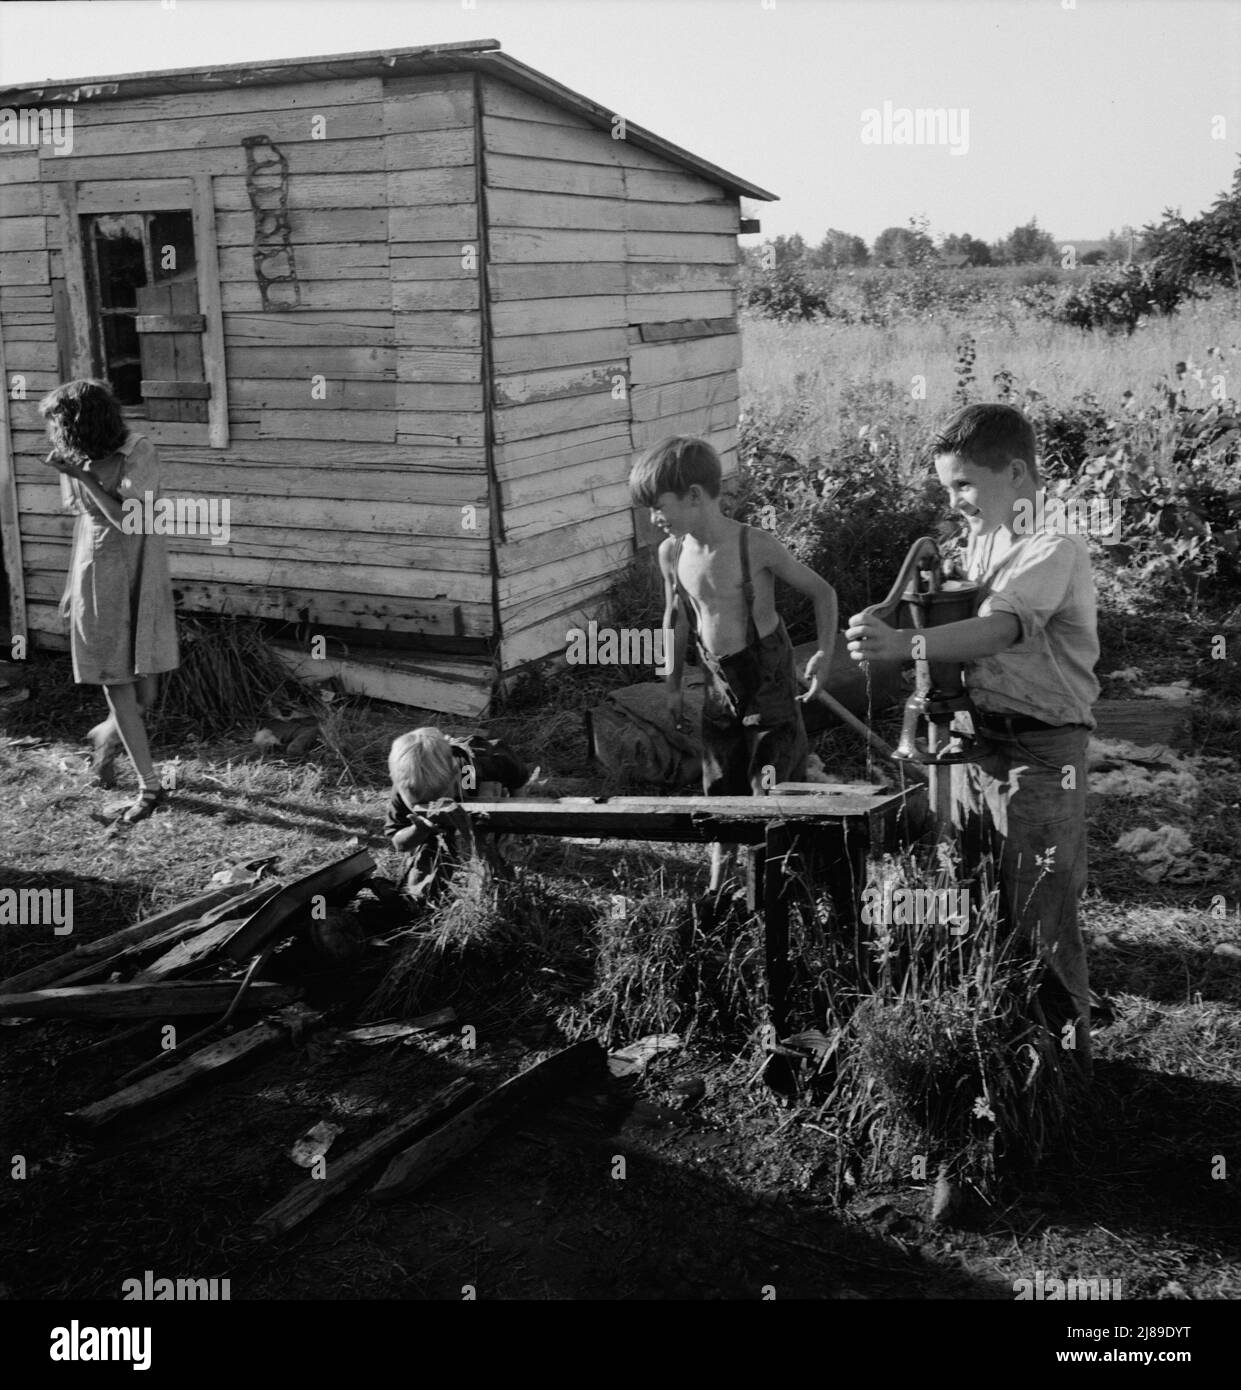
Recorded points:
(1120, 297)
(786, 294)
(1172, 467)
(850, 494)
(849, 512)
(1207, 247)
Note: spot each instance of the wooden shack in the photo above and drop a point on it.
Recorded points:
(410, 314)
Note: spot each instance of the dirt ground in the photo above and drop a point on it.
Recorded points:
(694, 1182)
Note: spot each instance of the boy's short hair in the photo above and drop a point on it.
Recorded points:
(988, 436)
(674, 465)
(422, 766)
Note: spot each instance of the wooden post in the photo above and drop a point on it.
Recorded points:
(81, 354)
(10, 527)
(778, 864)
(939, 785)
(753, 858)
(939, 801)
(210, 304)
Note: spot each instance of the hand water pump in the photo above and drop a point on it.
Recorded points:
(940, 699)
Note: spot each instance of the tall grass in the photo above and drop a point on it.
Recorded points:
(824, 360)
(504, 947)
(935, 1045)
(228, 676)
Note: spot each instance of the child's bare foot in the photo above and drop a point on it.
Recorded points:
(107, 744)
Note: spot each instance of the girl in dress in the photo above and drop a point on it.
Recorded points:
(118, 599)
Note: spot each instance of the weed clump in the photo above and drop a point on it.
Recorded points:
(228, 676)
(509, 948)
(662, 967)
(945, 1055)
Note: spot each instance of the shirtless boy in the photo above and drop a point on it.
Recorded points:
(720, 576)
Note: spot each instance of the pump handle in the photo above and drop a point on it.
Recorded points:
(925, 547)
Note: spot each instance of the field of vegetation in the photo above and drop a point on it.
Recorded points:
(740, 1178)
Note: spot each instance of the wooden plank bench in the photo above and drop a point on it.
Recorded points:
(820, 834)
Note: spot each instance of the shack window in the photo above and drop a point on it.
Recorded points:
(146, 325)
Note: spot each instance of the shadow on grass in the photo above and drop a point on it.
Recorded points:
(1157, 1161)
(99, 906)
(247, 809)
(1166, 974)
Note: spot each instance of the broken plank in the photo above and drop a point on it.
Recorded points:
(211, 1061)
(676, 330)
(170, 999)
(226, 913)
(62, 965)
(277, 915)
(391, 1032)
(465, 1131)
(189, 952)
(308, 1197)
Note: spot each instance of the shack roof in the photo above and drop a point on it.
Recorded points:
(481, 55)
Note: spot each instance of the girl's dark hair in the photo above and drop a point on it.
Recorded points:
(84, 420)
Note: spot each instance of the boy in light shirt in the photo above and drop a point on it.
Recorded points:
(1030, 654)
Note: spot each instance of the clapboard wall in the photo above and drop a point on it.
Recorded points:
(345, 511)
(590, 237)
(504, 303)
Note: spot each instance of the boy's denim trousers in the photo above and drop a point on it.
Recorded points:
(1026, 803)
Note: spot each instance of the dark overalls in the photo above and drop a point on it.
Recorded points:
(752, 730)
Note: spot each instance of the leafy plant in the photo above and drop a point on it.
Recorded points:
(1120, 297)
(1208, 246)
(964, 369)
(851, 509)
(784, 293)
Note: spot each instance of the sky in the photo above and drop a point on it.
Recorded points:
(1088, 115)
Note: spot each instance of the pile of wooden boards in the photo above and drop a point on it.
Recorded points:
(448, 1126)
(233, 924)
(225, 926)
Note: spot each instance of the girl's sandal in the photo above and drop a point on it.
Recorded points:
(148, 799)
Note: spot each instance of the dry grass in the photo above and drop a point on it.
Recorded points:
(826, 360)
(228, 677)
(919, 1039)
(505, 950)
(664, 965)
(935, 1045)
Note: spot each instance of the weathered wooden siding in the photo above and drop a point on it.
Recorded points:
(589, 238)
(368, 509)
(27, 347)
(472, 353)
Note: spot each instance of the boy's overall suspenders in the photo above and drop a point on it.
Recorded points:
(747, 591)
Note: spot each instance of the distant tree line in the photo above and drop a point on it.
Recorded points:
(913, 246)
(1134, 274)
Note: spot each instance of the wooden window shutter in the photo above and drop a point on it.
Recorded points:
(179, 321)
